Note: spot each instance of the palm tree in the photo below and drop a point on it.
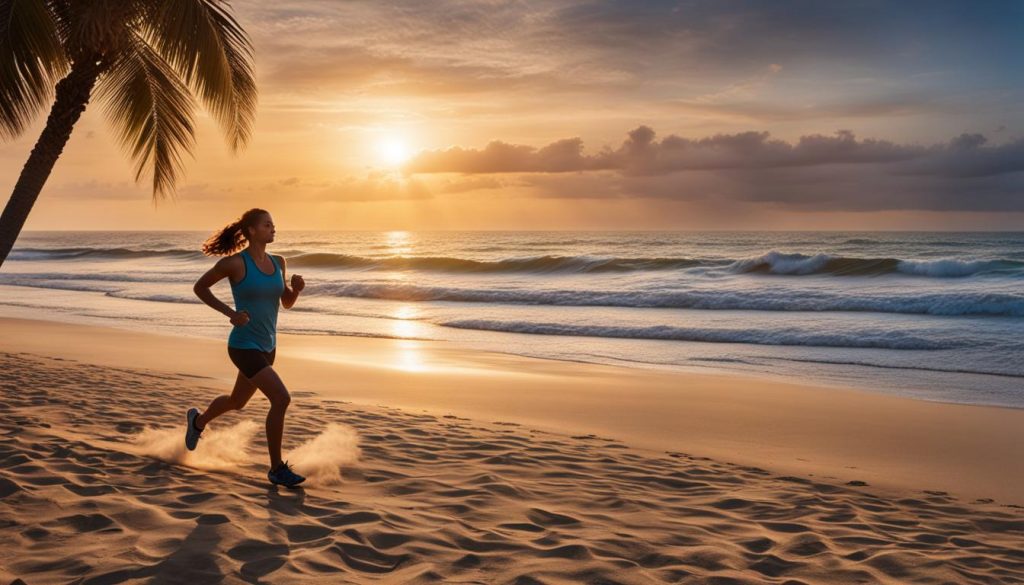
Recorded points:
(144, 59)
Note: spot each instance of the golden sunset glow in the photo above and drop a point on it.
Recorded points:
(404, 324)
(406, 312)
(393, 150)
(593, 291)
(405, 329)
(417, 124)
(399, 243)
(409, 357)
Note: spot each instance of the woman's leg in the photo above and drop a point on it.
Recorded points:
(271, 385)
(240, 395)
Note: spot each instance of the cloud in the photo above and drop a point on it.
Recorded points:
(442, 49)
(502, 157)
(890, 104)
(832, 188)
(737, 34)
(375, 186)
(816, 172)
(642, 154)
(338, 69)
(744, 89)
(966, 156)
(862, 55)
(469, 184)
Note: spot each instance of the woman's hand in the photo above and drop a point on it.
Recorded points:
(240, 318)
(297, 283)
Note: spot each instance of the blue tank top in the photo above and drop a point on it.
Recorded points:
(258, 293)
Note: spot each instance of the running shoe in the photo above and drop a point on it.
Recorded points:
(192, 434)
(284, 475)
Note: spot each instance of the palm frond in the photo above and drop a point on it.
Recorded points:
(98, 27)
(207, 46)
(151, 109)
(31, 61)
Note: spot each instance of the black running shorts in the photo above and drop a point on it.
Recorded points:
(251, 361)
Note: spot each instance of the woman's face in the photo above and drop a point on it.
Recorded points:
(263, 231)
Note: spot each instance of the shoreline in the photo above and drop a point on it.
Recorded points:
(826, 433)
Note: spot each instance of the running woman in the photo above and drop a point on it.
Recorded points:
(258, 283)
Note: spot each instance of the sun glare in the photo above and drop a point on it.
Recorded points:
(393, 151)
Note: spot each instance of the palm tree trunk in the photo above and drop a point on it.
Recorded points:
(72, 97)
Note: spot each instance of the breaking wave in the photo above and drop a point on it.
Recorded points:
(770, 263)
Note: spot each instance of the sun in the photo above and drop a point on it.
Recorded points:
(393, 151)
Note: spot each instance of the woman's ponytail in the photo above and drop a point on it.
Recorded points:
(232, 237)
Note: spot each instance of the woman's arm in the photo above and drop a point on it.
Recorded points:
(291, 293)
(202, 289)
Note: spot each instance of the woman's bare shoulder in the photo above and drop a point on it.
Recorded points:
(229, 261)
(232, 265)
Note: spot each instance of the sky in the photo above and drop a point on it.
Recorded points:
(593, 115)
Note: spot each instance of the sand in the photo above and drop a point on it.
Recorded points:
(430, 463)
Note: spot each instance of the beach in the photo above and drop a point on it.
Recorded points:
(431, 462)
(540, 293)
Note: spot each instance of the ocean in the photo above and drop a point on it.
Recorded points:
(929, 315)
